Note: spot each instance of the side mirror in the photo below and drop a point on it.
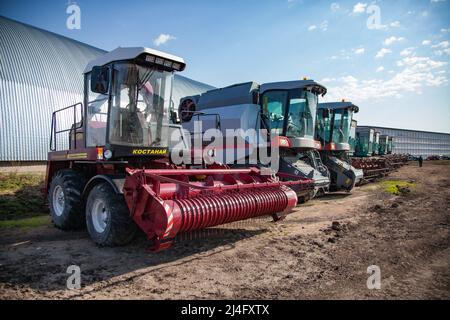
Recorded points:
(100, 80)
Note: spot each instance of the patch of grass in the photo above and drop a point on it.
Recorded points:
(396, 186)
(13, 182)
(370, 187)
(21, 197)
(26, 223)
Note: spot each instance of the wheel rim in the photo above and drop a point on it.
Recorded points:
(99, 215)
(58, 200)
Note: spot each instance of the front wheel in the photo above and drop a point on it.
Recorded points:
(107, 217)
(64, 199)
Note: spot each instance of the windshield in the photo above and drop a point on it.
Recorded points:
(301, 111)
(383, 145)
(352, 136)
(274, 106)
(364, 145)
(341, 127)
(377, 137)
(323, 126)
(140, 104)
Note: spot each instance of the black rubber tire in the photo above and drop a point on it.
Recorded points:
(72, 183)
(120, 228)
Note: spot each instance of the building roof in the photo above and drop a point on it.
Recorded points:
(410, 130)
(339, 105)
(287, 85)
(129, 54)
(41, 72)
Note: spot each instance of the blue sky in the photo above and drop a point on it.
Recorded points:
(396, 68)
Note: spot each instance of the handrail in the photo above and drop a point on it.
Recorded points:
(75, 127)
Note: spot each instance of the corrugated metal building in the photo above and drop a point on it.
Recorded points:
(417, 143)
(41, 72)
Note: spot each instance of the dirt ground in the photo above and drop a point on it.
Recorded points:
(321, 251)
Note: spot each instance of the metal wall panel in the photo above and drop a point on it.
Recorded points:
(417, 143)
(41, 72)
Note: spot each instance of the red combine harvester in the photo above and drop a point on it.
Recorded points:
(109, 168)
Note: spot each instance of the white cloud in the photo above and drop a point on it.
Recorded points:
(382, 53)
(334, 6)
(341, 56)
(417, 74)
(324, 25)
(442, 52)
(407, 52)
(312, 27)
(436, 1)
(163, 39)
(425, 13)
(441, 45)
(359, 50)
(445, 30)
(392, 40)
(379, 69)
(359, 7)
(420, 62)
(327, 80)
(379, 27)
(395, 24)
(426, 42)
(348, 54)
(291, 3)
(349, 79)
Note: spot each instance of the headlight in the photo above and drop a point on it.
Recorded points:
(107, 154)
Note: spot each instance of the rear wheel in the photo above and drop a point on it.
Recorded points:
(64, 199)
(107, 217)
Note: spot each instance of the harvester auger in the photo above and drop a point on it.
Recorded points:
(286, 110)
(109, 167)
(334, 124)
(373, 167)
